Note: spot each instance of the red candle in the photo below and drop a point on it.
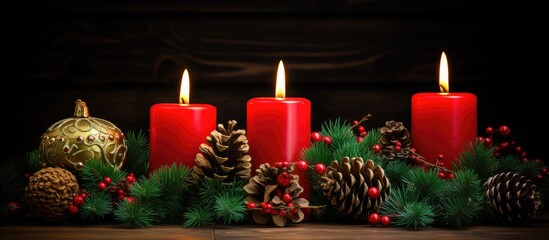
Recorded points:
(279, 128)
(177, 130)
(443, 122)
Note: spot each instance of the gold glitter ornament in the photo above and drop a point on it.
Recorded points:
(70, 142)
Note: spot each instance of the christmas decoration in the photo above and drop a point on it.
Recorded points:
(347, 185)
(70, 142)
(512, 198)
(374, 219)
(278, 201)
(385, 221)
(395, 140)
(50, 192)
(225, 157)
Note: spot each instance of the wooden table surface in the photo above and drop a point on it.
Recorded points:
(538, 229)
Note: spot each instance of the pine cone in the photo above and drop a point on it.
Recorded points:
(50, 192)
(268, 186)
(225, 157)
(346, 185)
(392, 133)
(512, 197)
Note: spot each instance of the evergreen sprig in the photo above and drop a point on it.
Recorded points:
(396, 171)
(134, 214)
(198, 215)
(476, 156)
(416, 215)
(96, 207)
(175, 177)
(137, 154)
(426, 182)
(339, 130)
(461, 205)
(94, 171)
(146, 189)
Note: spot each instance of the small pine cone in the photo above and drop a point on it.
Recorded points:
(225, 157)
(346, 185)
(512, 197)
(50, 192)
(268, 186)
(392, 133)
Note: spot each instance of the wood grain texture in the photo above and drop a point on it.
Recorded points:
(349, 58)
(305, 230)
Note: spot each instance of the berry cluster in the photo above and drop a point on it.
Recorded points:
(77, 201)
(317, 137)
(374, 219)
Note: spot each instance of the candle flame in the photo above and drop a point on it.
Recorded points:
(184, 92)
(443, 82)
(280, 81)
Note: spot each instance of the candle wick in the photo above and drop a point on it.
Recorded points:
(442, 88)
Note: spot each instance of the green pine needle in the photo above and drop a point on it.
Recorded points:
(370, 140)
(338, 130)
(136, 214)
(347, 149)
(460, 211)
(95, 170)
(318, 152)
(210, 189)
(230, 208)
(475, 155)
(507, 163)
(396, 171)
(416, 215)
(427, 182)
(96, 207)
(465, 184)
(399, 198)
(175, 177)
(146, 189)
(198, 215)
(137, 154)
(529, 169)
(33, 160)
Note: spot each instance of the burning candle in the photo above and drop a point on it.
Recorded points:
(177, 130)
(443, 122)
(279, 128)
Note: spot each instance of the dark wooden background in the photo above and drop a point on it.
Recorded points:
(349, 57)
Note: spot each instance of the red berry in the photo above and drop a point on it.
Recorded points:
(120, 192)
(480, 139)
(130, 179)
(523, 154)
(284, 179)
(263, 204)
(544, 170)
(285, 164)
(504, 130)
(130, 199)
(386, 221)
(283, 213)
(489, 131)
(355, 122)
(327, 140)
(539, 177)
(538, 161)
(377, 148)
(361, 129)
(268, 206)
(441, 175)
(320, 168)
(107, 180)
(373, 219)
(488, 142)
(440, 164)
(504, 145)
(363, 134)
(316, 137)
(524, 160)
(78, 200)
(373, 192)
(83, 195)
(73, 209)
(398, 144)
(440, 157)
(397, 148)
(287, 198)
(302, 165)
(251, 206)
(451, 176)
(518, 149)
(102, 186)
(359, 139)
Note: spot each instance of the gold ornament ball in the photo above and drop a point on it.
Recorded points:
(70, 142)
(50, 192)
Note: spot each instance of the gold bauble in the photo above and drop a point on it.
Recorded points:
(50, 192)
(70, 142)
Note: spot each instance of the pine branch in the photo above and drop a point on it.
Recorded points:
(460, 211)
(175, 177)
(371, 138)
(146, 189)
(96, 207)
(507, 163)
(197, 216)
(396, 171)
(479, 158)
(33, 161)
(529, 169)
(94, 171)
(136, 214)
(416, 215)
(229, 208)
(338, 130)
(426, 182)
(318, 152)
(137, 154)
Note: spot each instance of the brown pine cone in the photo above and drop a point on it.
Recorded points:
(346, 185)
(392, 133)
(269, 186)
(225, 157)
(512, 197)
(50, 192)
